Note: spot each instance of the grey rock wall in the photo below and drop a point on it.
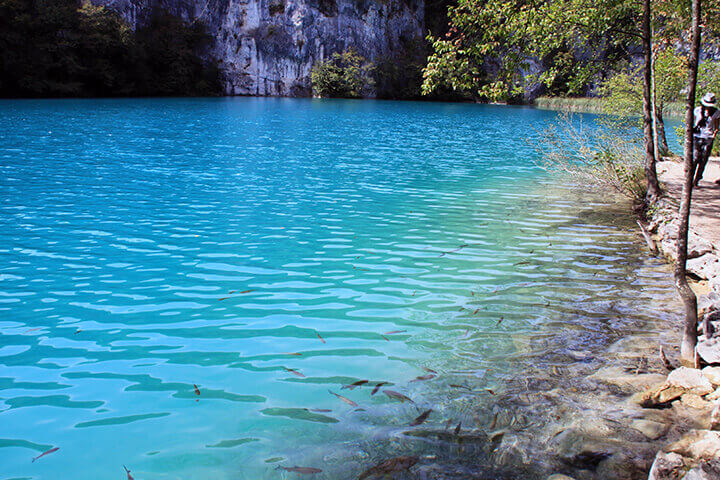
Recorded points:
(268, 47)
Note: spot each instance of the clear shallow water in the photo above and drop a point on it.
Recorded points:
(261, 250)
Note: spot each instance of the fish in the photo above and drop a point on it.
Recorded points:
(397, 396)
(127, 472)
(455, 385)
(344, 399)
(429, 376)
(52, 450)
(393, 332)
(292, 353)
(232, 291)
(413, 294)
(457, 429)
(78, 331)
(421, 418)
(321, 338)
(223, 298)
(197, 390)
(377, 387)
(524, 262)
(392, 465)
(245, 291)
(472, 294)
(490, 391)
(294, 372)
(448, 423)
(355, 385)
(321, 410)
(386, 338)
(33, 329)
(427, 369)
(300, 470)
(466, 334)
(500, 321)
(461, 309)
(476, 310)
(493, 423)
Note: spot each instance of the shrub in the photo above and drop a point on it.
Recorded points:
(345, 75)
(608, 156)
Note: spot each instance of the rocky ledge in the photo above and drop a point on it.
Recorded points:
(696, 455)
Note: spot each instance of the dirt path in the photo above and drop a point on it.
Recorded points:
(705, 212)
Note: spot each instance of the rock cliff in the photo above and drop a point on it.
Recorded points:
(268, 47)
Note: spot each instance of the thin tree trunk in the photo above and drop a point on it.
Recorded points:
(653, 188)
(653, 85)
(689, 340)
(661, 138)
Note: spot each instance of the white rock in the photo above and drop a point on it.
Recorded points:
(699, 444)
(690, 379)
(667, 466)
(704, 471)
(652, 430)
(709, 349)
(705, 267)
(712, 374)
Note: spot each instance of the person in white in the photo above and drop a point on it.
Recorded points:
(705, 128)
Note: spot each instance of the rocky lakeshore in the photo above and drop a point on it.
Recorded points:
(693, 393)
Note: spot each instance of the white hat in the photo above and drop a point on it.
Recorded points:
(708, 100)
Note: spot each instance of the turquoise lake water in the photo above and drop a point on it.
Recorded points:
(267, 252)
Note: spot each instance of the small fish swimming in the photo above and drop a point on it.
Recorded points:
(197, 390)
(393, 332)
(52, 450)
(393, 465)
(294, 372)
(386, 338)
(344, 399)
(457, 429)
(397, 396)
(127, 472)
(490, 391)
(321, 410)
(321, 338)
(352, 386)
(300, 470)
(223, 298)
(448, 423)
(293, 353)
(245, 291)
(377, 387)
(429, 376)
(500, 321)
(421, 418)
(429, 370)
(476, 310)
(455, 385)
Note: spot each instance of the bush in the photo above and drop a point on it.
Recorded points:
(609, 156)
(345, 75)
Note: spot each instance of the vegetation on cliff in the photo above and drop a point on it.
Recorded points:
(60, 48)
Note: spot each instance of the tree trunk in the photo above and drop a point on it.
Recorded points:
(661, 138)
(653, 188)
(689, 340)
(654, 106)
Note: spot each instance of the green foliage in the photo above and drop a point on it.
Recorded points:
(489, 48)
(345, 75)
(64, 48)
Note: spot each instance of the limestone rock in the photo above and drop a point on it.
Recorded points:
(705, 267)
(695, 401)
(659, 397)
(713, 396)
(698, 246)
(626, 381)
(268, 47)
(712, 374)
(715, 417)
(709, 349)
(559, 476)
(691, 380)
(704, 471)
(667, 466)
(652, 430)
(698, 444)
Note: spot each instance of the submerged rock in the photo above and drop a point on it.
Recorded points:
(651, 430)
(698, 444)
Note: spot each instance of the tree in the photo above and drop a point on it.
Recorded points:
(689, 340)
(492, 44)
(345, 75)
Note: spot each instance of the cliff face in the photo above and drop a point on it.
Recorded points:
(268, 47)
